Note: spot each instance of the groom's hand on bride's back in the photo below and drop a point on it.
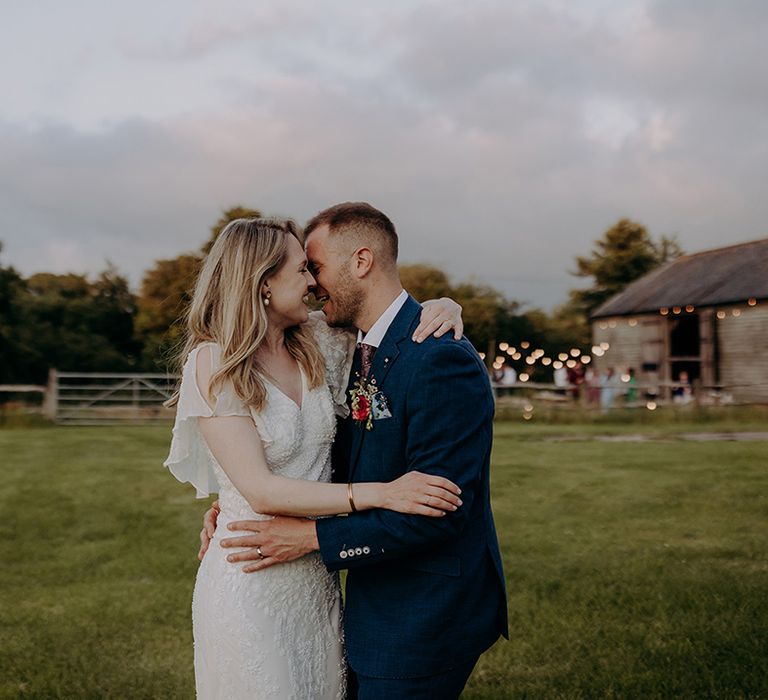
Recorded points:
(209, 528)
(275, 541)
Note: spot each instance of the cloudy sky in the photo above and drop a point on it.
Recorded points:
(501, 136)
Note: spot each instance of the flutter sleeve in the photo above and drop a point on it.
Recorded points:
(189, 459)
(337, 346)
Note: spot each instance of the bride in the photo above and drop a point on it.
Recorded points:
(261, 383)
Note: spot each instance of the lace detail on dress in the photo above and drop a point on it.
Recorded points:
(337, 346)
(275, 633)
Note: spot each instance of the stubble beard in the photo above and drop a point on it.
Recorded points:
(347, 302)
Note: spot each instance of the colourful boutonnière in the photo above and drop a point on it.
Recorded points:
(368, 403)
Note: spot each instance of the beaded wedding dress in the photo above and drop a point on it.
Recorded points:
(275, 633)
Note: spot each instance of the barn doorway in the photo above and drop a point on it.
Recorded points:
(685, 347)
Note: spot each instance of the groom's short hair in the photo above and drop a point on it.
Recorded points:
(362, 224)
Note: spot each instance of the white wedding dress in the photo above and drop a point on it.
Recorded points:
(275, 633)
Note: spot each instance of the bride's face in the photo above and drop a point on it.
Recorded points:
(289, 288)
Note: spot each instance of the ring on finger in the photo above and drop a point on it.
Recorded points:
(259, 552)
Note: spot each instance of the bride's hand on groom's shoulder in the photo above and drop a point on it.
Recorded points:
(209, 528)
(438, 316)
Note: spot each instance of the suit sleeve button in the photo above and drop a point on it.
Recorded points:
(343, 554)
(358, 551)
(366, 550)
(351, 552)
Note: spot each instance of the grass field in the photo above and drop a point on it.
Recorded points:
(635, 569)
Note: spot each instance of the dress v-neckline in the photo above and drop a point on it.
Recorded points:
(274, 384)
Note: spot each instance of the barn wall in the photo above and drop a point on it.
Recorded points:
(743, 343)
(630, 345)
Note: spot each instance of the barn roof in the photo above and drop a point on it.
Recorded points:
(721, 276)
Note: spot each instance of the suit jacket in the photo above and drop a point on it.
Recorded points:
(422, 594)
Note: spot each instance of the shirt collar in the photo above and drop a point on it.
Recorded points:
(379, 329)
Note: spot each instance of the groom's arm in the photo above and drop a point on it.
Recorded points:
(450, 410)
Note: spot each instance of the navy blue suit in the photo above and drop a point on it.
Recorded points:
(423, 595)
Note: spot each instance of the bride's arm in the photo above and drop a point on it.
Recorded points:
(438, 316)
(236, 445)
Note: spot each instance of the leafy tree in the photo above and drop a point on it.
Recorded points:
(568, 327)
(12, 351)
(236, 212)
(425, 281)
(116, 312)
(624, 253)
(668, 248)
(72, 324)
(165, 293)
(486, 312)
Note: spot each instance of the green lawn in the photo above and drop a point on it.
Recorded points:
(635, 570)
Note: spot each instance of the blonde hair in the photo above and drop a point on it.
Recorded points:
(227, 307)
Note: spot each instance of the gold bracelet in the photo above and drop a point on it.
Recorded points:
(350, 497)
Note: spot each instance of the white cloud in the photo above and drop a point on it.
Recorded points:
(609, 122)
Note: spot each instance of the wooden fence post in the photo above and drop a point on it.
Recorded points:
(51, 400)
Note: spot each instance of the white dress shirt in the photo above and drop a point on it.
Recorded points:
(378, 330)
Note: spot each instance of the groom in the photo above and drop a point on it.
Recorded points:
(424, 596)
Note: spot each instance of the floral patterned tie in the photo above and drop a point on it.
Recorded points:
(366, 357)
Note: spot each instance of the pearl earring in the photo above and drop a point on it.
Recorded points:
(266, 298)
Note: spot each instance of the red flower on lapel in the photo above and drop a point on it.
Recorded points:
(362, 410)
(361, 395)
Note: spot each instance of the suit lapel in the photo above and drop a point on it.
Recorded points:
(386, 354)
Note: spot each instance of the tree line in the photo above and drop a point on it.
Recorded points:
(75, 323)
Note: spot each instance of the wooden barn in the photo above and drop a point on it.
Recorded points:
(704, 314)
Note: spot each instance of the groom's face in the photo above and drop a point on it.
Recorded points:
(336, 287)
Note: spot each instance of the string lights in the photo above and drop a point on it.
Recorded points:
(721, 313)
(572, 357)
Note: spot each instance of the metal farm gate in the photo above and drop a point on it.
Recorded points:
(109, 398)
